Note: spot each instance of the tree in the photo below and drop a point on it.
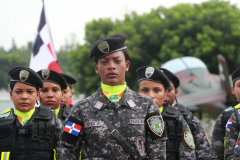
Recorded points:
(200, 30)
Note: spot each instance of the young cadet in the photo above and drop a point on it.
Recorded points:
(51, 93)
(154, 83)
(26, 132)
(67, 94)
(202, 145)
(232, 126)
(115, 122)
(222, 124)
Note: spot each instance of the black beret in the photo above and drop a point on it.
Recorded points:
(236, 75)
(108, 45)
(69, 79)
(172, 77)
(152, 74)
(25, 75)
(49, 75)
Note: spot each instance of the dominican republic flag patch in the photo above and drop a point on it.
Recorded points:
(236, 146)
(72, 128)
(229, 123)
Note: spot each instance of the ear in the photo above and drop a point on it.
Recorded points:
(96, 67)
(38, 94)
(10, 92)
(127, 65)
(233, 90)
(176, 92)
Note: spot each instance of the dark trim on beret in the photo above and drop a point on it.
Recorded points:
(112, 52)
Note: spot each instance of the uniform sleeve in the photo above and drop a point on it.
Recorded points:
(187, 146)
(203, 149)
(58, 133)
(237, 149)
(231, 138)
(156, 139)
(70, 143)
(217, 142)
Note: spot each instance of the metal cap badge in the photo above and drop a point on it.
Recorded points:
(103, 47)
(23, 75)
(45, 73)
(149, 72)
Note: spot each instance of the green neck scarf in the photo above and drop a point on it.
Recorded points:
(113, 93)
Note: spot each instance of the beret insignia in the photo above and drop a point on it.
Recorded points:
(189, 139)
(45, 73)
(149, 72)
(23, 75)
(103, 47)
(156, 124)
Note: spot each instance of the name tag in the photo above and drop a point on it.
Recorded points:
(93, 124)
(136, 121)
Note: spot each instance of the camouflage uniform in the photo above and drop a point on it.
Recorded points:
(231, 137)
(202, 150)
(185, 151)
(237, 151)
(128, 118)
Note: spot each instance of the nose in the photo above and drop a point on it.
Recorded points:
(151, 94)
(111, 65)
(50, 94)
(24, 96)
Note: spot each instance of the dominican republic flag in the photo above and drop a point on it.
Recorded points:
(43, 56)
(72, 128)
(236, 146)
(229, 123)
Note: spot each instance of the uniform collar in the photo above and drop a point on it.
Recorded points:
(101, 101)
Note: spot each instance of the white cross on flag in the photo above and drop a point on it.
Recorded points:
(43, 56)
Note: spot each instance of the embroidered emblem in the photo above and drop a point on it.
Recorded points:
(72, 128)
(149, 72)
(98, 105)
(131, 103)
(140, 145)
(93, 124)
(103, 47)
(156, 124)
(229, 123)
(5, 115)
(23, 75)
(189, 139)
(229, 109)
(114, 98)
(136, 121)
(45, 73)
(236, 146)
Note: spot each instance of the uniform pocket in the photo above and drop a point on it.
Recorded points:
(7, 131)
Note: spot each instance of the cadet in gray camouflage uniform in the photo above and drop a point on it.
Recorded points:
(154, 83)
(232, 126)
(136, 125)
(203, 149)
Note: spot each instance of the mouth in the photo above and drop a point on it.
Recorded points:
(111, 75)
(50, 102)
(24, 104)
(63, 102)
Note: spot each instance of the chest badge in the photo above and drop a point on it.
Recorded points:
(156, 124)
(189, 139)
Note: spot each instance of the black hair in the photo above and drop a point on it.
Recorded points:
(12, 83)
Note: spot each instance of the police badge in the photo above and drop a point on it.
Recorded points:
(103, 47)
(45, 73)
(149, 72)
(189, 139)
(23, 75)
(156, 124)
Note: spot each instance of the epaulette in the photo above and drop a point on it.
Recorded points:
(5, 113)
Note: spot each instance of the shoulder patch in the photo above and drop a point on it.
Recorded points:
(5, 115)
(229, 109)
(189, 139)
(156, 124)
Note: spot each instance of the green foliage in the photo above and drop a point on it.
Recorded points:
(200, 30)
(14, 57)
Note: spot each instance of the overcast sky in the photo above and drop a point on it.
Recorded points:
(19, 18)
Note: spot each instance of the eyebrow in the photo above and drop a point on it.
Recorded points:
(113, 57)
